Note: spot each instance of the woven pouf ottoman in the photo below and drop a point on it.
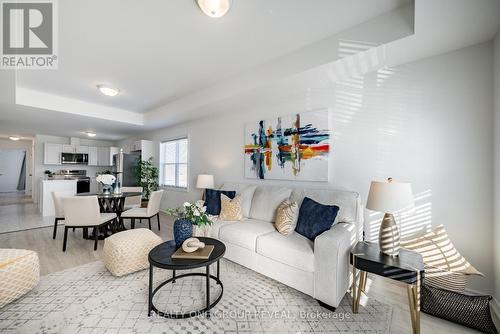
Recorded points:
(19, 273)
(127, 252)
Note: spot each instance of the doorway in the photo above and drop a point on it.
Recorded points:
(13, 177)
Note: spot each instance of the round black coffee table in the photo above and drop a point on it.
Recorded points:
(161, 257)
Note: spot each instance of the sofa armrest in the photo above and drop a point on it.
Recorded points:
(331, 263)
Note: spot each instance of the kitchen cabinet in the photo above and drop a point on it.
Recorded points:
(105, 155)
(82, 149)
(112, 152)
(93, 159)
(97, 156)
(68, 148)
(52, 154)
(145, 147)
(75, 149)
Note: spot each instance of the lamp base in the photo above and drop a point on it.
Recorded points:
(388, 237)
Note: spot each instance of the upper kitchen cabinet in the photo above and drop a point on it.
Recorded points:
(93, 156)
(112, 152)
(75, 149)
(52, 154)
(82, 149)
(105, 155)
(68, 148)
(144, 147)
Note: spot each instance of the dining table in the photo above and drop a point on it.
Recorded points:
(110, 203)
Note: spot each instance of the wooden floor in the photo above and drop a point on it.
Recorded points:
(80, 251)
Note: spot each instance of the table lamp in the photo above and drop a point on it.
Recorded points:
(389, 197)
(204, 181)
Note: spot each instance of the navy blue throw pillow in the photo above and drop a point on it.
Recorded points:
(212, 200)
(315, 218)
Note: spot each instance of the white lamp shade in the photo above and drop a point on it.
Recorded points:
(389, 197)
(205, 181)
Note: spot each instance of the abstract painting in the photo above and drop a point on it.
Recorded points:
(294, 147)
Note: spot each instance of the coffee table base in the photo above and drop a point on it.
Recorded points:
(184, 315)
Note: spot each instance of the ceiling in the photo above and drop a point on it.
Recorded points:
(157, 51)
(172, 63)
(27, 122)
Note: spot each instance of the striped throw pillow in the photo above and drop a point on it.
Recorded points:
(445, 267)
(286, 217)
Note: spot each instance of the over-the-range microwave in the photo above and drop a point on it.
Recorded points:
(75, 158)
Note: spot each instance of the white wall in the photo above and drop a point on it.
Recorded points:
(39, 167)
(427, 122)
(497, 168)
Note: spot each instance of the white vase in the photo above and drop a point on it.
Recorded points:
(201, 231)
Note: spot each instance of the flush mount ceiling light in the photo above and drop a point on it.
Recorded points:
(14, 138)
(90, 134)
(214, 8)
(108, 91)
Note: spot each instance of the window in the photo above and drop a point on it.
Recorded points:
(174, 163)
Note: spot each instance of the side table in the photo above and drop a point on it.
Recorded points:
(408, 268)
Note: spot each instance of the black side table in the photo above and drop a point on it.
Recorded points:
(161, 257)
(408, 268)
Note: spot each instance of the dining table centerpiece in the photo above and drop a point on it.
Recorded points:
(107, 181)
(189, 215)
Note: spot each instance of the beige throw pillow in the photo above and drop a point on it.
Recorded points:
(230, 209)
(286, 217)
(438, 251)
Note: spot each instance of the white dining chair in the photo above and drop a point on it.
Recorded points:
(152, 210)
(57, 198)
(83, 212)
(134, 201)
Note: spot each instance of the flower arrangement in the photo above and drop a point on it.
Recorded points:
(194, 212)
(106, 179)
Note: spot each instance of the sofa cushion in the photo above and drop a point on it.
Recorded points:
(214, 229)
(245, 233)
(266, 200)
(246, 192)
(212, 199)
(315, 218)
(294, 250)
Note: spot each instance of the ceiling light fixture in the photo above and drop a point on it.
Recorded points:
(90, 134)
(108, 91)
(14, 138)
(214, 8)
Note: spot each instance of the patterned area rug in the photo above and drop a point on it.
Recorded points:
(88, 299)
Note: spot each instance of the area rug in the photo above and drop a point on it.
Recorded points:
(88, 299)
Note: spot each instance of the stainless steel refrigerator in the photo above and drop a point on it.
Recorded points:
(124, 166)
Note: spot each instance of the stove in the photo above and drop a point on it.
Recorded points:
(71, 174)
(82, 183)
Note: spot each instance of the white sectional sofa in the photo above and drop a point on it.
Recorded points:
(320, 268)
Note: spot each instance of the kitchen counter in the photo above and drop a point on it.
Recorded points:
(47, 186)
(55, 180)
